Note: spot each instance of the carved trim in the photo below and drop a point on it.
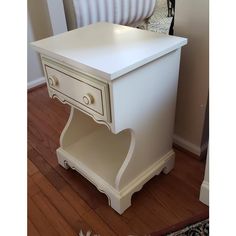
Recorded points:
(105, 95)
(103, 122)
(66, 163)
(155, 169)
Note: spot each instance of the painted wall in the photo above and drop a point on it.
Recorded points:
(192, 21)
(38, 27)
(33, 70)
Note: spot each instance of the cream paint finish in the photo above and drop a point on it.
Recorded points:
(124, 151)
(191, 21)
(78, 49)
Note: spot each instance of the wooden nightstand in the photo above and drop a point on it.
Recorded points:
(121, 84)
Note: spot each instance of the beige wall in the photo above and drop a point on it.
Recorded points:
(39, 17)
(38, 27)
(33, 69)
(192, 21)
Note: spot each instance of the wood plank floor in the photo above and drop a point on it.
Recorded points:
(61, 202)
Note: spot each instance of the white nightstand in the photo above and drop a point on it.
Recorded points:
(121, 84)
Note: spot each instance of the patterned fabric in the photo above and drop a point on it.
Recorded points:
(88, 233)
(198, 229)
(159, 21)
(124, 12)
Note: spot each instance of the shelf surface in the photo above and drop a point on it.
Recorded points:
(102, 152)
(108, 50)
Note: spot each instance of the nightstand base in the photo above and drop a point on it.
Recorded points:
(118, 200)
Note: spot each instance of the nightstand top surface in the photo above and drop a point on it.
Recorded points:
(107, 50)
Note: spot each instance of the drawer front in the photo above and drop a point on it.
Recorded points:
(77, 89)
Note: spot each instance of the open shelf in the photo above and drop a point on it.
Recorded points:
(101, 151)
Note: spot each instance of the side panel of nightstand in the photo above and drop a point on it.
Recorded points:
(144, 101)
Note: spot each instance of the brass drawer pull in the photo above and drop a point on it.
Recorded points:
(88, 99)
(53, 81)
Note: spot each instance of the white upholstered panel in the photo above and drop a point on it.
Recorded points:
(125, 12)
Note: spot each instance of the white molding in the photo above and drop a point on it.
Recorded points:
(204, 193)
(57, 16)
(167, 160)
(187, 145)
(204, 147)
(36, 82)
(197, 150)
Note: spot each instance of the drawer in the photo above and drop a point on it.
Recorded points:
(80, 90)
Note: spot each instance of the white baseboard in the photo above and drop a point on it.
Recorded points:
(204, 193)
(197, 150)
(36, 82)
(204, 147)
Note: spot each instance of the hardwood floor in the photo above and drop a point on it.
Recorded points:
(61, 202)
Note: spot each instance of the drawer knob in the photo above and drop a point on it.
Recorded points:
(88, 99)
(53, 81)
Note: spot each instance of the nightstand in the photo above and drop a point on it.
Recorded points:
(121, 83)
